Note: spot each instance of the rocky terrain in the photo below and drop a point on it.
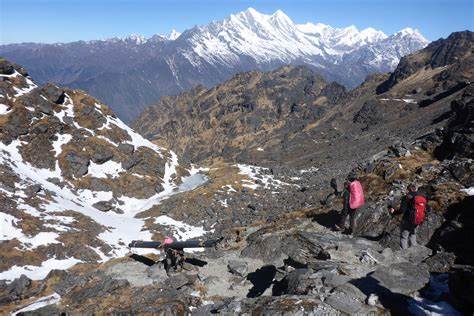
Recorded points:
(73, 176)
(264, 189)
(132, 73)
(295, 263)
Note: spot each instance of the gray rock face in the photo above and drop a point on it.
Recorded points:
(344, 303)
(78, 164)
(127, 149)
(135, 273)
(32, 190)
(301, 282)
(102, 155)
(239, 268)
(403, 278)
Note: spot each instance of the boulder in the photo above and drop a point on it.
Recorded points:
(301, 282)
(344, 303)
(103, 206)
(76, 164)
(178, 281)
(126, 149)
(53, 93)
(101, 155)
(236, 267)
(31, 190)
(404, 278)
(441, 262)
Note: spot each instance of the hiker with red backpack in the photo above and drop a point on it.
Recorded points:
(353, 199)
(413, 206)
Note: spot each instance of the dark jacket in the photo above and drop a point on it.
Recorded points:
(345, 200)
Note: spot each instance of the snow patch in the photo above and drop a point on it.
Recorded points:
(311, 169)
(4, 109)
(63, 139)
(258, 174)
(107, 169)
(468, 191)
(38, 272)
(182, 231)
(9, 230)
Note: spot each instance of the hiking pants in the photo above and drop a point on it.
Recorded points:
(408, 235)
(352, 218)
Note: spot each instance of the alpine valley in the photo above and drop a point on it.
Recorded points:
(131, 73)
(244, 131)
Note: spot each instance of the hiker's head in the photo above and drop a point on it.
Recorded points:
(412, 187)
(352, 176)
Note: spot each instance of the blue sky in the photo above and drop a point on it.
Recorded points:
(69, 20)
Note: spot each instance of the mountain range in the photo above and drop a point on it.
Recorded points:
(134, 72)
(292, 115)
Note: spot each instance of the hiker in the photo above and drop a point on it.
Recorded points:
(353, 199)
(413, 206)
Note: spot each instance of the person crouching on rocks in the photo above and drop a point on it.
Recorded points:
(413, 207)
(353, 199)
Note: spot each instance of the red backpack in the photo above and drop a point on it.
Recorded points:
(419, 209)
(356, 198)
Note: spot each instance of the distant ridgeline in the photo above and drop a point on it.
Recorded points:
(131, 73)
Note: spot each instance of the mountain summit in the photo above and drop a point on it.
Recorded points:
(138, 71)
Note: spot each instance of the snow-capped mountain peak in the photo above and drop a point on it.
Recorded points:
(371, 35)
(136, 39)
(411, 33)
(173, 35)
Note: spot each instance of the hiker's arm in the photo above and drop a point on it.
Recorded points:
(402, 209)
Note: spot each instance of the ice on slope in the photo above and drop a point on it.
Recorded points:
(39, 303)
